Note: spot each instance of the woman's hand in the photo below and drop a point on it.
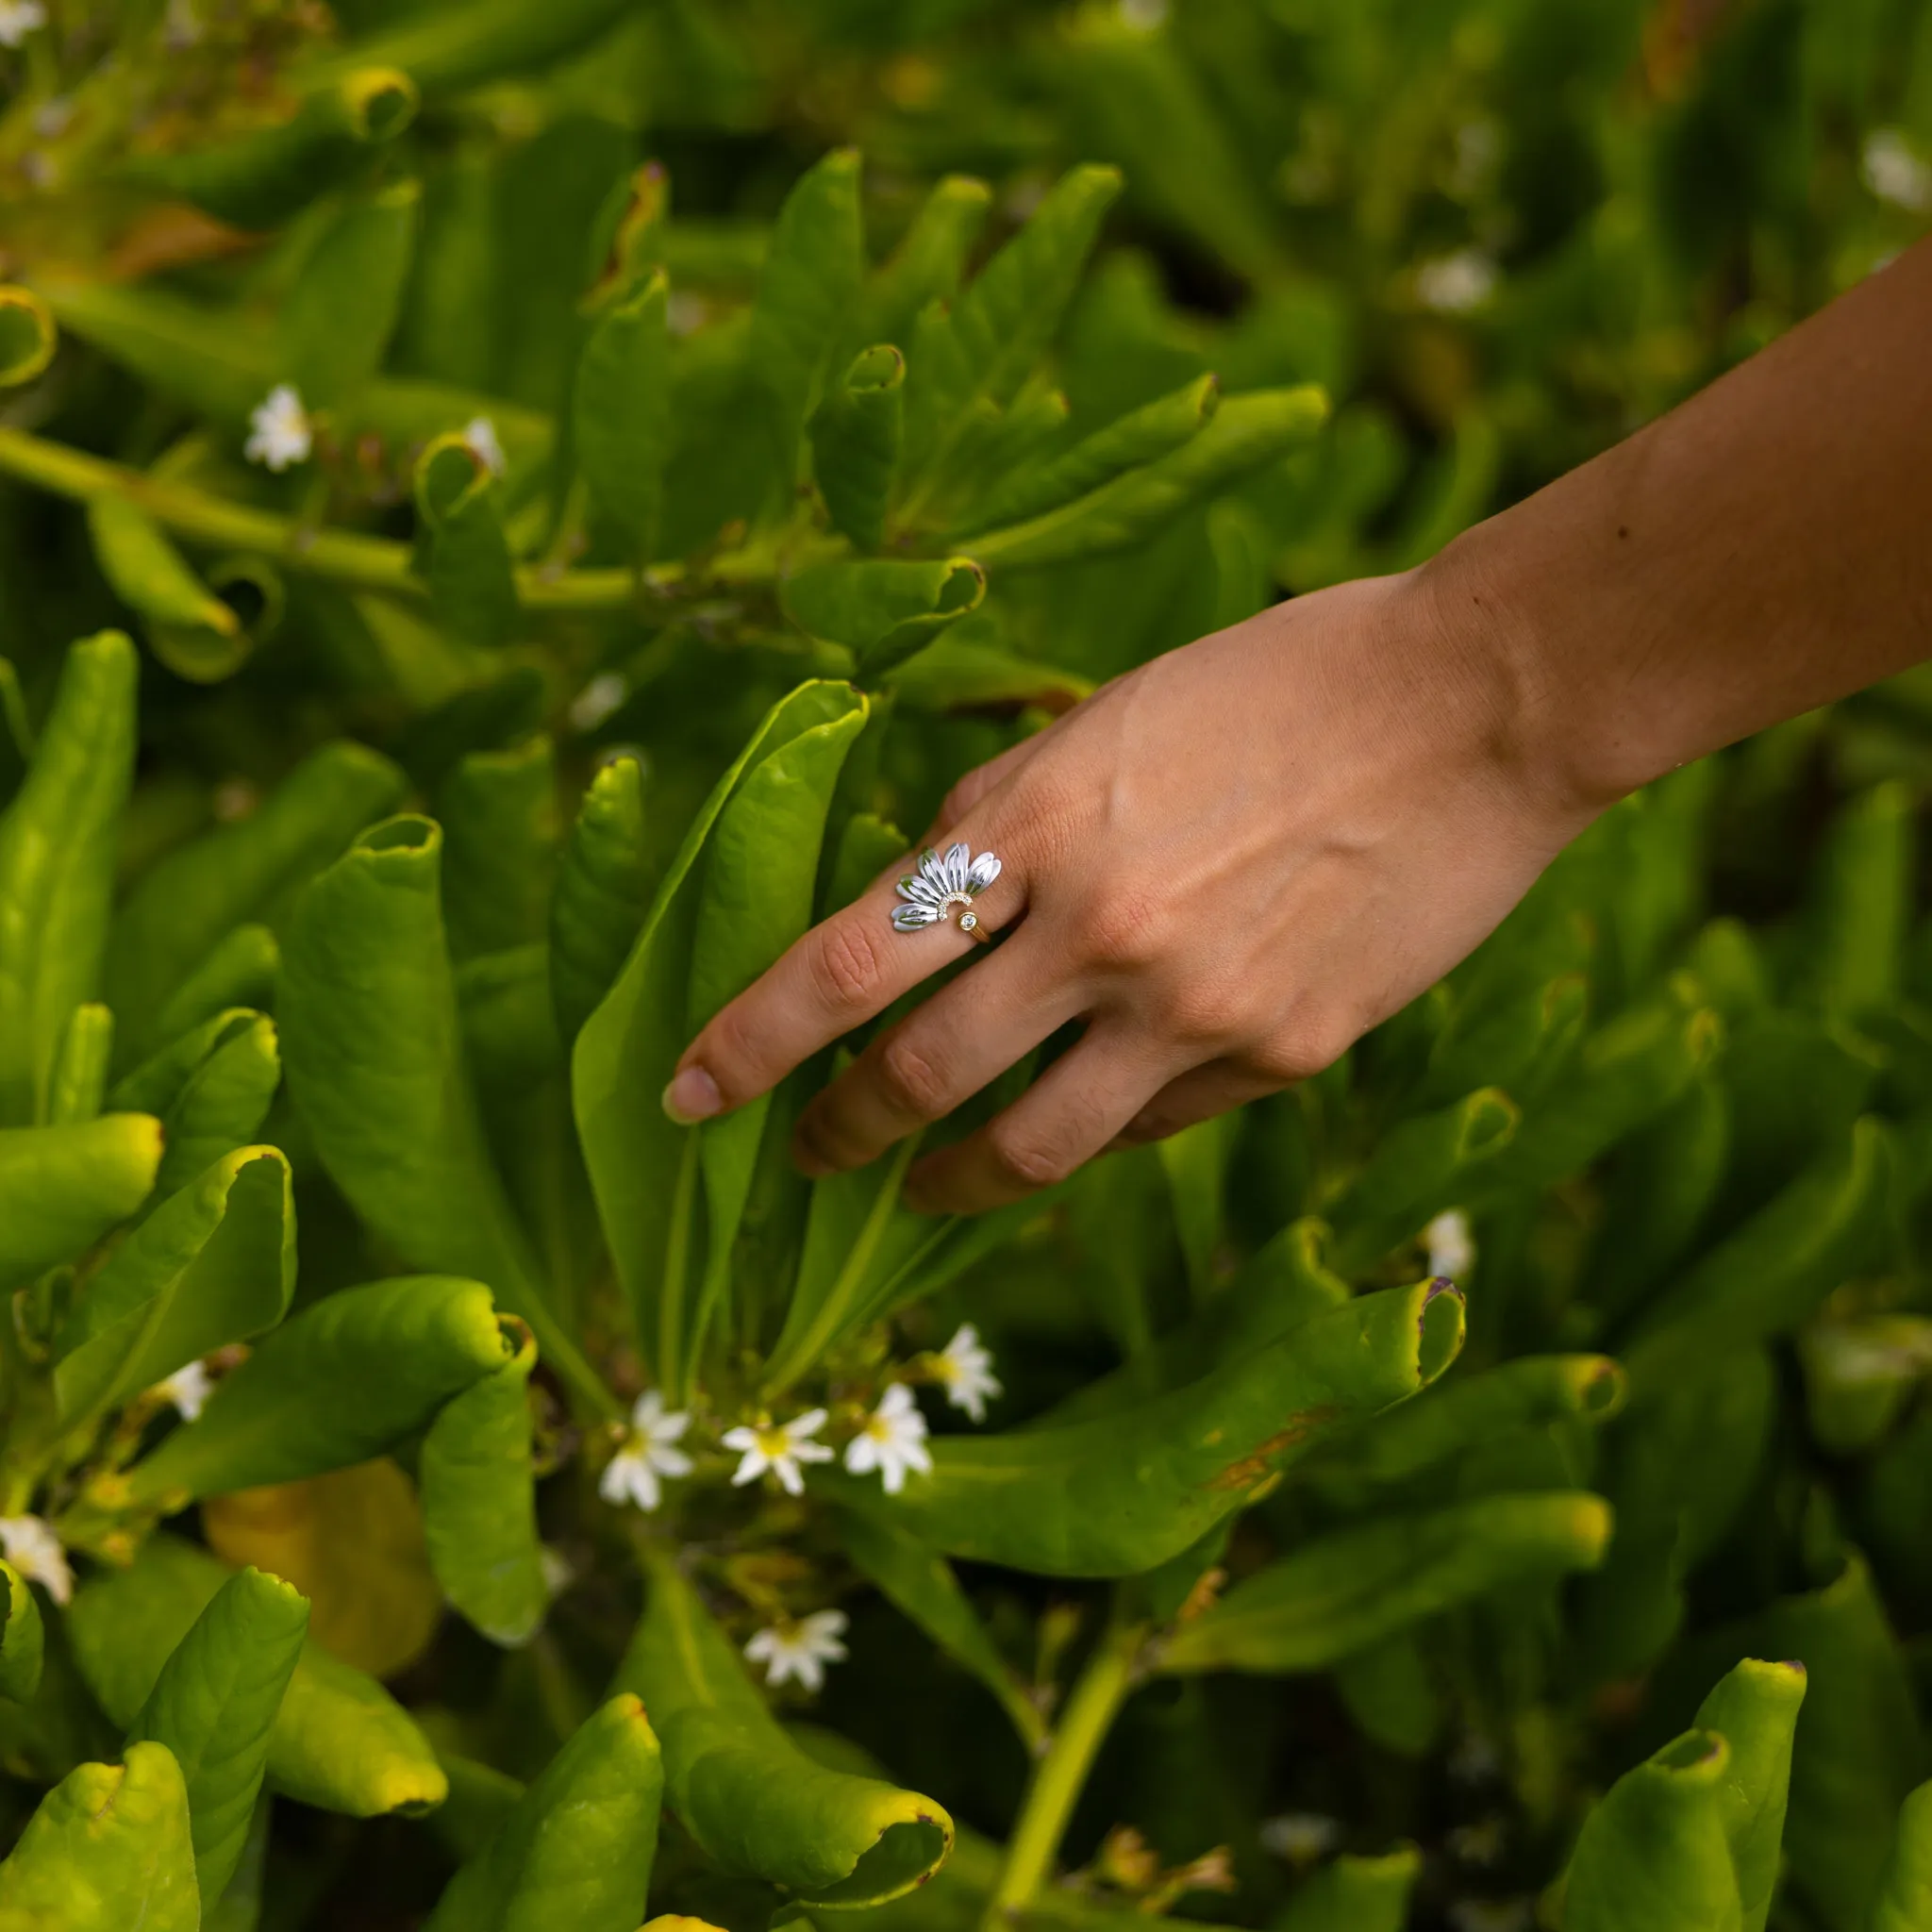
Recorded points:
(1229, 864)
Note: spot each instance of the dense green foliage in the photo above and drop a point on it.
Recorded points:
(1488, 1485)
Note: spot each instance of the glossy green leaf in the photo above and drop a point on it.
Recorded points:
(16, 734)
(1859, 1373)
(576, 1853)
(1353, 1587)
(750, 1798)
(621, 415)
(107, 1851)
(625, 1052)
(450, 53)
(186, 904)
(1905, 1892)
(480, 1505)
(159, 1081)
(1352, 1893)
(807, 293)
(215, 1706)
(602, 894)
(1124, 1491)
(467, 563)
(1771, 1271)
(856, 434)
(341, 311)
(152, 577)
(1196, 1163)
(1862, 903)
(79, 1086)
(341, 1382)
(883, 610)
(23, 1642)
(1145, 434)
(1392, 1695)
(957, 674)
(1755, 1710)
(371, 1036)
(28, 336)
(499, 813)
(214, 1263)
(1247, 432)
(1654, 1852)
(339, 1741)
(261, 177)
(925, 1589)
(62, 1188)
(930, 261)
(239, 1908)
(250, 592)
(223, 1103)
(57, 867)
(239, 971)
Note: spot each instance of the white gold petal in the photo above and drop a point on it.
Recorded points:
(983, 869)
(910, 918)
(958, 858)
(932, 870)
(917, 891)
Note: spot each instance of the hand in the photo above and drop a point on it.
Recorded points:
(1229, 864)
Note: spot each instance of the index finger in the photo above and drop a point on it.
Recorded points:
(845, 971)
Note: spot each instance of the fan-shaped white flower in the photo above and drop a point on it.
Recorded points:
(33, 1549)
(779, 1447)
(891, 1439)
(631, 1475)
(939, 885)
(800, 1651)
(188, 1389)
(18, 19)
(279, 433)
(965, 1372)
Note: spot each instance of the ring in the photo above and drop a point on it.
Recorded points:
(944, 885)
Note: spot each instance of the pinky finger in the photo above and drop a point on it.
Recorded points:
(1199, 1094)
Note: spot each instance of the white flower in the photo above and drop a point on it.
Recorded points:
(598, 700)
(1452, 1252)
(965, 1371)
(35, 1551)
(685, 313)
(632, 1474)
(188, 1390)
(1894, 173)
(18, 19)
(1299, 1837)
(891, 1440)
(278, 428)
(800, 1651)
(1455, 284)
(940, 884)
(479, 432)
(779, 1447)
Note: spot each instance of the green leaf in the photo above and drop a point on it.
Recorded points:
(1121, 1493)
(451, 53)
(467, 561)
(1353, 1587)
(107, 1850)
(239, 1908)
(602, 894)
(621, 415)
(1352, 1893)
(239, 971)
(262, 177)
(883, 610)
(925, 1589)
(23, 1642)
(341, 311)
(807, 297)
(1905, 1892)
(498, 811)
(929, 264)
(1247, 432)
(250, 592)
(343, 1381)
(1774, 1270)
(856, 434)
(145, 570)
(214, 1705)
(339, 1742)
(956, 674)
(79, 1086)
(186, 904)
(1756, 1710)
(1142, 436)
(1392, 1695)
(223, 1103)
(61, 1189)
(214, 1263)
(1653, 1854)
(28, 336)
(375, 1064)
(754, 1803)
(1862, 903)
(576, 1853)
(16, 734)
(57, 867)
(479, 1504)
(625, 1052)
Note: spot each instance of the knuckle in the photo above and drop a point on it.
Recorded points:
(912, 1082)
(847, 966)
(1303, 1051)
(1125, 932)
(731, 1053)
(1026, 1162)
(1203, 1017)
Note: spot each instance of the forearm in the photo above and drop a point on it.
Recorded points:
(1762, 549)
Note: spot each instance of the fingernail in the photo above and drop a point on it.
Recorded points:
(692, 1096)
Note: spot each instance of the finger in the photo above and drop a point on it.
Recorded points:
(959, 1041)
(1066, 1117)
(1200, 1094)
(838, 975)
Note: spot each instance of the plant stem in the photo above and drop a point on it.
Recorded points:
(1061, 1774)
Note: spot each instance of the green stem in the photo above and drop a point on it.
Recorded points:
(1061, 1774)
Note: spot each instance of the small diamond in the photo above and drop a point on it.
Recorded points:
(968, 921)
